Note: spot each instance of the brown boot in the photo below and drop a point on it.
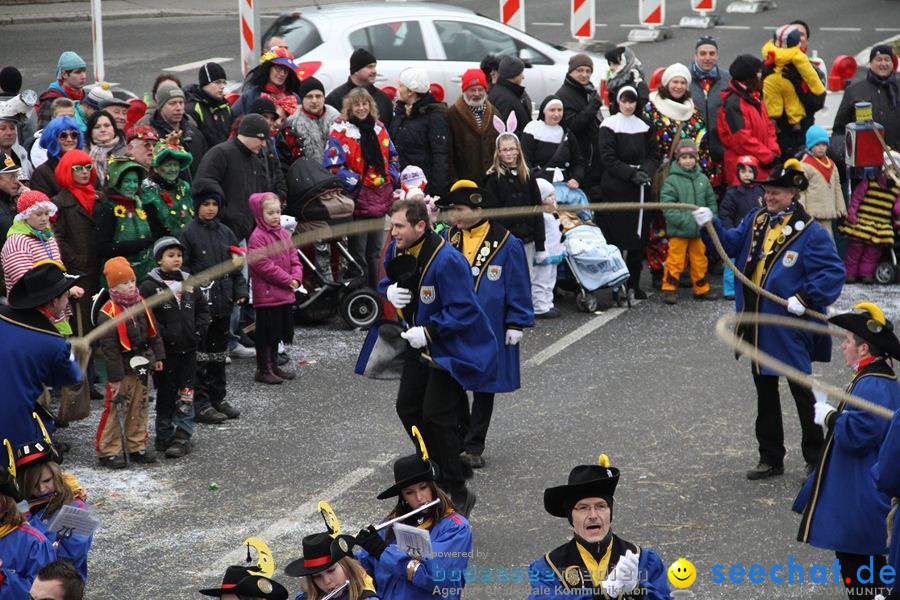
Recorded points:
(273, 363)
(264, 372)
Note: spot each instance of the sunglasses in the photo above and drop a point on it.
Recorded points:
(70, 135)
(82, 168)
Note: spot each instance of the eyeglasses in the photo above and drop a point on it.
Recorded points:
(83, 168)
(70, 135)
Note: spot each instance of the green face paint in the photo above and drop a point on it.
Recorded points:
(129, 183)
(169, 169)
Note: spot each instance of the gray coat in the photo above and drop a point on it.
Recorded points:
(313, 133)
(882, 112)
(709, 105)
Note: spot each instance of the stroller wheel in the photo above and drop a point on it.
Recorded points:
(586, 302)
(885, 273)
(361, 308)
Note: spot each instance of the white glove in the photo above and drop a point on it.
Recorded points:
(513, 337)
(624, 577)
(823, 409)
(795, 307)
(702, 216)
(415, 336)
(398, 296)
(541, 257)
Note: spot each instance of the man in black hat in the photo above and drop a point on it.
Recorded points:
(509, 95)
(841, 507)
(595, 558)
(206, 104)
(240, 583)
(363, 71)
(32, 352)
(783, 250)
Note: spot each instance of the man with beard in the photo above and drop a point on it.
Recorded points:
(581, 112)
(594, 560)
(472, 134)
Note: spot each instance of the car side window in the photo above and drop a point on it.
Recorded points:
(401, 40)
(470, 42)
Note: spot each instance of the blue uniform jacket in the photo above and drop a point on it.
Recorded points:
(32, 354)
(805, 265)
(23, 552)
(443, 302)
(74, 548)
(367, 595)
(546, 579)
(451, 541)
(887, 479)
(503, 288)
(842, 509)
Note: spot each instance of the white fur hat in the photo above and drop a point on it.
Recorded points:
(415, 79)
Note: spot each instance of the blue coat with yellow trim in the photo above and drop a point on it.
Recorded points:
(805, 265)
(451, 541)
(841, 506)
(23, 552)
(503, 288)
(887, 479)
(459, 335)
(32, 354)
(545, 584)
(74, 548)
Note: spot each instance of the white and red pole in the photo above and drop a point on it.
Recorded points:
(583, 18)
(512, 13)
(652, 13)
(97, 35)
(250, 42)
(703, 6)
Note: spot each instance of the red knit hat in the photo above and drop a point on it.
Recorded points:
(32, 201)
(474, 77)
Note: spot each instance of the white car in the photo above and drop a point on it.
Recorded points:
(444, 40)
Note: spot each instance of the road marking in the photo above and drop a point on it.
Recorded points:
(887, 29)
(569, 339)
(547, 24)
(732, 27)
(196, 64)
(598, 25)
(630, 25)
(305, 516)
(840, 29)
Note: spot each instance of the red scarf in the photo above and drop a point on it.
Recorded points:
(85, 194)
(278, 92)
(826, 167)
(72, 93)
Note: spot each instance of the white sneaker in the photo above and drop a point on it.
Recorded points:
(227, 360)
(241, 351)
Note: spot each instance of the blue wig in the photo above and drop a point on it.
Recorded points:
(50, 138)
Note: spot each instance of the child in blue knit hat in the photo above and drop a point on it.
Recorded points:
(824, 198)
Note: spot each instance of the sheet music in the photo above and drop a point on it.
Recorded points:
(414, 541)
(72, 520)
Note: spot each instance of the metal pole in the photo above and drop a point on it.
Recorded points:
(97, 33)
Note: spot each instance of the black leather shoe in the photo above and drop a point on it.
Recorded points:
(475, 461)
(463, 500)
(210, 416)
(550, 314)
(227, 409)
(112, 462)
(147, 457)
(763, 471)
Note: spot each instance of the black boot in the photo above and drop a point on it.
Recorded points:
(264, 372)
(276, 369)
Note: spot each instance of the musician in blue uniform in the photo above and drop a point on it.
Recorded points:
(23, 550)
(784, 251)
(453, 347)
(500, 274)
(887, 479)
(595, 563)
(842, 509)
(398, 575)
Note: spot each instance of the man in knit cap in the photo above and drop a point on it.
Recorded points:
(169, 117)
(581, 110)
(363, 70)
(71, 75)
(508, 95)
(472, 133)
(206, 104)
(310, 125)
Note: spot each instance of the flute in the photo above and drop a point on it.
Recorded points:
(337, 590)
(409, 514)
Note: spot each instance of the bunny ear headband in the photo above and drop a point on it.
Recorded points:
(509, 127)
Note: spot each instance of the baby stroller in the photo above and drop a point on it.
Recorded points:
(316, 201)
(591, 264)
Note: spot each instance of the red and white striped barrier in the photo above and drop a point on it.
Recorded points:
(703, 6)
(97, 35)
(512, 13)
(584, 14)
(250, 42)
(652, 13)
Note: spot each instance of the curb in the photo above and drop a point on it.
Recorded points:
(80, 16)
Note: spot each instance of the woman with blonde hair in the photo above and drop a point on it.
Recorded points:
(360, 152)
(326, 565)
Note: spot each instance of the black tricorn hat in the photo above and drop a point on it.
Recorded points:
(585, 481)
(240, 582)
(320, 551)
(871, 326)
(36, 453)
(8, 484)
(44, 282)
(789, 175)
(464, 193)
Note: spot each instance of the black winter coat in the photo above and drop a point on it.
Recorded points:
(180, 324)
(738, 201)
(382, 100)
(207, 243)
(508, 191)
(882, 112)
(508, 97)
(539, 154)
(212, 117)
(239, 173)
(580, 110)
(422, 138)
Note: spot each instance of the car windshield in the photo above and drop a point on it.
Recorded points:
(301, 35)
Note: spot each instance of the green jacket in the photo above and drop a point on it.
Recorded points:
(686, 187)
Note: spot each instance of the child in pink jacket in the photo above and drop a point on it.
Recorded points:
(273, 279)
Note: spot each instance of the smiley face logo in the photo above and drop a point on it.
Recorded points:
(682, 573)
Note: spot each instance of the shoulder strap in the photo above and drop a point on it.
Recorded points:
(675, 139)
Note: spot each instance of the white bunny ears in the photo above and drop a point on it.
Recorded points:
(509, 127)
